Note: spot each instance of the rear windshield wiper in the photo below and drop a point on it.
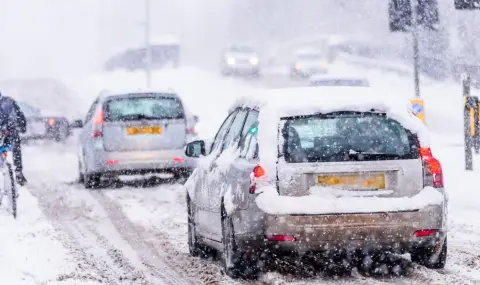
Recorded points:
(360, 154)
(139, 117)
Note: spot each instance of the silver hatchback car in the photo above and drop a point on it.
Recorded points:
(142, 132)
(325, 172)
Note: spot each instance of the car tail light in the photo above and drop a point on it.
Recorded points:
(112, 161)
(257, 173)
(190, 131)
(425, 233)
(51, 122)
(98, 120)
(178, 159)
(281, 238)
(432, 173)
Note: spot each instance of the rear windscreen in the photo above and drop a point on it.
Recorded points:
(346, 137)
(152, 107)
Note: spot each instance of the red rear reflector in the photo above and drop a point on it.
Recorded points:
(190, 131)
(96, 134)
(281, 238)
(178, 159)
(425, 233)
(258, 171)
(113, 161)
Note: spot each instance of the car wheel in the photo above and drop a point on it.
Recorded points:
(61, 134)
(91, 181)
(235, 263)
(81, 177)
(194, 246)
(430, 257)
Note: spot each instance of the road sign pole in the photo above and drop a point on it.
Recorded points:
(416, 52)
(148, 50)
(466, 124)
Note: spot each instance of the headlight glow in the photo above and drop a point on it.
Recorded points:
(254, 61)
(230, 60)
(298, 66)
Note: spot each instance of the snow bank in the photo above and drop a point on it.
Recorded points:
(29, 251)
(303, 101)
(272, 203)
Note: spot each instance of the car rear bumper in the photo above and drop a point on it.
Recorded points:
(368, 232)
(142, 162)
(308, 72)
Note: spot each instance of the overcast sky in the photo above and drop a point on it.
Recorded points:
(57, 37)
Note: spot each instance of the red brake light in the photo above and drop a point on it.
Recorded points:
(112, 161)
(98, 120)
(433, 175)
(190, 131)
(425, 233)
(258, 171)
(178, 159)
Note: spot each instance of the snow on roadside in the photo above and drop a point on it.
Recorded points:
(30, 252)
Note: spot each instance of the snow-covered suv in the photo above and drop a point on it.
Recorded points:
(317, 170)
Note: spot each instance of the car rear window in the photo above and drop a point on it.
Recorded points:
(346, 136)
(339, 82)
(148, 107)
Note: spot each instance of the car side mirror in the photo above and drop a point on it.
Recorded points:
(76, 124)
(195, 149)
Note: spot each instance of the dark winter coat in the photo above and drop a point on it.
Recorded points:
(11, 116)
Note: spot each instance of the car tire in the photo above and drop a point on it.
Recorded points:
(81, 177)
(235, 263)
(194, 247)
(61, 133)
(92, 181)
(426, 256)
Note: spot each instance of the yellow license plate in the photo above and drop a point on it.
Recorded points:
(365, 181)
(144, 130)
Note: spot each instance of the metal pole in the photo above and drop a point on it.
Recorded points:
(416, 54)
(148, 50)
(466, 124)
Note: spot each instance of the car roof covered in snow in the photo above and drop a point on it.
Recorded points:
(278, 103)
(109, 93)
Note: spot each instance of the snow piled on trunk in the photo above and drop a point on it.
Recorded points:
(30, 252)
(270, 202)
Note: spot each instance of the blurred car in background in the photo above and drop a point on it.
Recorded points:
(43, 124)
(165, 53)
(332, 80)
(240, 60)
(138, 133)
(307, 62)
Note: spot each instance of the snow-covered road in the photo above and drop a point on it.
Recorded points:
(66, 234)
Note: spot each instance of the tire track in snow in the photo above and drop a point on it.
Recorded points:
(159, 255)
(72, 225)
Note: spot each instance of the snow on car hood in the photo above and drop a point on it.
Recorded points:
(270, 202)
(275, 104)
